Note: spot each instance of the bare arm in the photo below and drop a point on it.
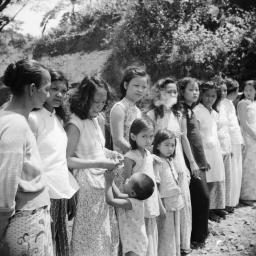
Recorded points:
(117, 116)
(79, 163)
(117, 193)
(110, 199)
(187, 149)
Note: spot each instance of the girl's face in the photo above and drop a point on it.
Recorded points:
(223, 89)
(42, 92)
(136, 88)
(98, 102)
(169, 94)
(191, 93)
(209, 97)
(249, 92)
(167, 147)
(58, 92)
(143, 139)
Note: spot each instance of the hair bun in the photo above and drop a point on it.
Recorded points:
(10, 75)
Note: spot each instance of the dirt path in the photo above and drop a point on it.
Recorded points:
(234, 236)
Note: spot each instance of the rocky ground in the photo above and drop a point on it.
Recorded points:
(235, 236)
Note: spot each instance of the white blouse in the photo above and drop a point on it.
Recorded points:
(52, 144)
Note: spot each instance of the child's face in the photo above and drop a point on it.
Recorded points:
(58, 91)
(223, 89)
(249, 92)
(128, 186)
(191, 93)
(167, 147)
(144, 139)
(136, 88)
(209, 97)
(98, 102)
(169, 94)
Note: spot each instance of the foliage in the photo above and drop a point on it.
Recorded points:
(189, 37)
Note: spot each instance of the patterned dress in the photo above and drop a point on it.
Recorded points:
(171, 122)
(247, 117)
(95, 230)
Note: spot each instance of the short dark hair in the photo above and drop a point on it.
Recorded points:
(144, 187)
(81, 100)
(232, 85)
(162, 135)
(61, 111)
(137, 126)
(130, 73)
(23, 72)
(209, 85)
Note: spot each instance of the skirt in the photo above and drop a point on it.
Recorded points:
(28, 233)
(217, 195)
(228, 173)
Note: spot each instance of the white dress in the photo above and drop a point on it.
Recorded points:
(171, 122)
(132, 228)
(247, 115)
(95, 230)
(236, 149)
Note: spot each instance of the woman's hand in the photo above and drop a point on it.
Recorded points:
(109, 176)
(194, 169)
(108, 164)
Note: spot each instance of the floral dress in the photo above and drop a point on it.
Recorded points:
(95, 230)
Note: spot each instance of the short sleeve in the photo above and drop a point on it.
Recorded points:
(132, 155)
(75, 120)
(157, 172)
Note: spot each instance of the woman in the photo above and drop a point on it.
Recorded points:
(24, 199)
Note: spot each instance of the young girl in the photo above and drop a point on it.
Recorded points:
(247, 117)
(236, 141)
(24, 200)
(95, 228)
(188, 96)
(170, 193)
(207, 118)
(130, 209)
(164, 115)
(47, 126)
(133, 87)
(139, 159)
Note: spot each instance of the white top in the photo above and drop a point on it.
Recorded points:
(52, 144)
(130, 112)
(91, 145)
(145, 165)
(132, 228)
(223, 129)
(208, 130)
(234, 128)
(169, 185)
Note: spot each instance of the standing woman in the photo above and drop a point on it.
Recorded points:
(47, 126)
(24, 199)
(207, 118)
(247, 117)
(133, 87)
(188, 96)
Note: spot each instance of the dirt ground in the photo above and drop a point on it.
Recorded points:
(235, 236)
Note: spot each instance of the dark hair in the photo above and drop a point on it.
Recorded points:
(162, 135)
(137, 126)
(130, 73)
(82, 99)
(61, 111)
(158, 86)
(23, 72)
(209, 85)
(232, 85)
(143, 187)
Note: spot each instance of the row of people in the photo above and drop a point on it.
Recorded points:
(196, 149)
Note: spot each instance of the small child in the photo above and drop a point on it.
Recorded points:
(130, 210)
(140, 160)
(170, 193)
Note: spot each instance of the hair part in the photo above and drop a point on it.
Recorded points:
(81, 100)
(130, 73)
(162, 135)
(22, 73)
(139, 125)
(143, 187)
